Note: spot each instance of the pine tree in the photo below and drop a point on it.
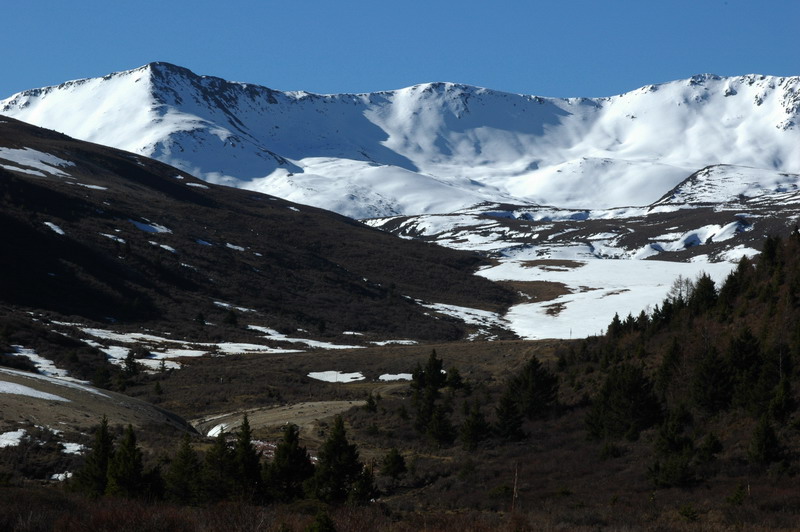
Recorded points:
(92, 478)
(183, 476)
(363, 489)
(131, 366)
(536, 389)
(125, 470)
(440, 429)
(393, 464)
(475, 428)
(338, 467)
(764, 446)
(218, 471)
(246, 463)
(711, 383)
(624, 406)
(782, 403)
(704, 295)
(509, 419)
(290, 467)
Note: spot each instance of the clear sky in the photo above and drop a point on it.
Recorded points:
(548, 48)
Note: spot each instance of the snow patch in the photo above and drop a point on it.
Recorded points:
(336, 376)
(11, 439)
(55, 228)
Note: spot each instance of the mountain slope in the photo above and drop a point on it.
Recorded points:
(107, 235)
(430, 148)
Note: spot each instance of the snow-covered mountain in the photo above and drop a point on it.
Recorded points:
(431, 148)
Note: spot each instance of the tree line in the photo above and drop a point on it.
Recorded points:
(228, 471)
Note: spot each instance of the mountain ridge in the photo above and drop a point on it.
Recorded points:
(434, 147)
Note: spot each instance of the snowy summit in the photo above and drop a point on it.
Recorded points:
(430, 148)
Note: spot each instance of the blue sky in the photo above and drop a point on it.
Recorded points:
(548, 48)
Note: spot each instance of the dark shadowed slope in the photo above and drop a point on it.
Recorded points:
(104, 234)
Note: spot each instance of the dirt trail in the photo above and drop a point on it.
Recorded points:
(304, 415)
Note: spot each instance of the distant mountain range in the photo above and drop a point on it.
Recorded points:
(432, 148)
(695, 172)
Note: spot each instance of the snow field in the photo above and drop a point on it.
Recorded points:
(599, 289)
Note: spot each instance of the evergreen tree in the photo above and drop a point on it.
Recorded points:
(475, 428)
(183, 476)
(624, 406)
(247, 477)
(92, 478)
(536, 389)
(782, 403)
(218, 471)
(454, 380)
(711, 383)
(425, 404)
(509, 419)
(440, 429)
(431, 376)
(125, 470)
(322, 523)
(704, 295)
(393, 464)
(363, 489)
(338, 467)
(744, 363)
(130, 366)
(290, 467)
(615, 327)
(667, 368)
(764, 447)
(674, 450)
(372, 404)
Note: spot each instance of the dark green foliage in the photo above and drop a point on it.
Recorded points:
(454, 379)
(218, 470)
(666, 370)
(393, 464)
(624, 406)
(509, 419)
(231, 318)
(744, 362)
(125, 469)
(372, 404)
(615, 327)
(675, 451)
(711, 383)
(322, 523)
(703, 296)
(363, 489)
(183, 476)
(247, 470)
(536, 389)
(131, 366)
(92, 478)
(338, 468)
(101, 377)
(289, 469)
(440, 428)
(475, 428)
(782, 404)
(764, 446)
(431, 376)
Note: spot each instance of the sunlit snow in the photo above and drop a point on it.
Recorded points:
(54, 227)
(36, 159)
(11, 438)
(19, 389)
(336, 376)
